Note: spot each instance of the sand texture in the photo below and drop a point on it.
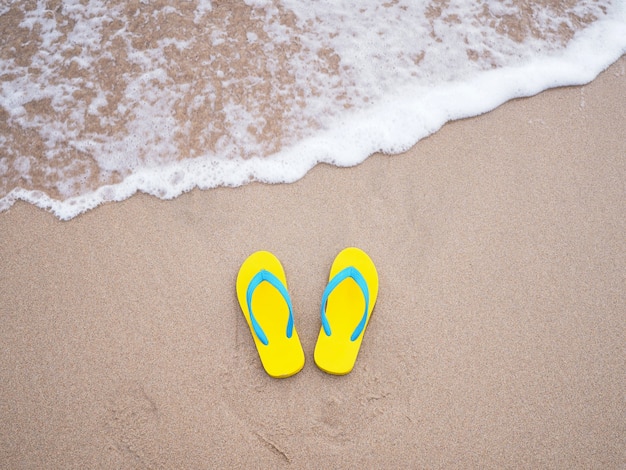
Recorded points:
(498, 340)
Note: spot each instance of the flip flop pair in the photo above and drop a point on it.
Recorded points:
(347, 304)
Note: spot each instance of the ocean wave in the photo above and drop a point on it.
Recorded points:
(99, 100)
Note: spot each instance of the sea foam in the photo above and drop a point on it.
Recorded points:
(99, 100)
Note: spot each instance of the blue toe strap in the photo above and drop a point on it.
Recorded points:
(267, 276)
(332, 284)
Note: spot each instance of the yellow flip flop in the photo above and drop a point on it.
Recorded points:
(347, 305)
(266, 305)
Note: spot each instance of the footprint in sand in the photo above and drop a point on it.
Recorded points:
(132, 417)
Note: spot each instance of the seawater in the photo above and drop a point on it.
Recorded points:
(101, 99)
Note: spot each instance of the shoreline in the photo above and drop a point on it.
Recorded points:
(497, 340)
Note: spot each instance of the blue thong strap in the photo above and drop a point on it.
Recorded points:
(349, 272)
(268, 277)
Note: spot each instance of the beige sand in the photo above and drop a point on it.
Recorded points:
(498, 340)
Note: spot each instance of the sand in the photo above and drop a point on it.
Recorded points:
(498, 340)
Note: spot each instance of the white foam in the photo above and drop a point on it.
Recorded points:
(403, 71)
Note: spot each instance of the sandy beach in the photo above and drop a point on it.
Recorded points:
(498, 340)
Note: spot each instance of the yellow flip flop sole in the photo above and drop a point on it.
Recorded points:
(266, 306)
(347, 305)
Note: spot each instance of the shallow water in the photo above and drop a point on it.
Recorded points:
(101, 99)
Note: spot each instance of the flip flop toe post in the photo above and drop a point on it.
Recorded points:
(347, 304)
(267, 308)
